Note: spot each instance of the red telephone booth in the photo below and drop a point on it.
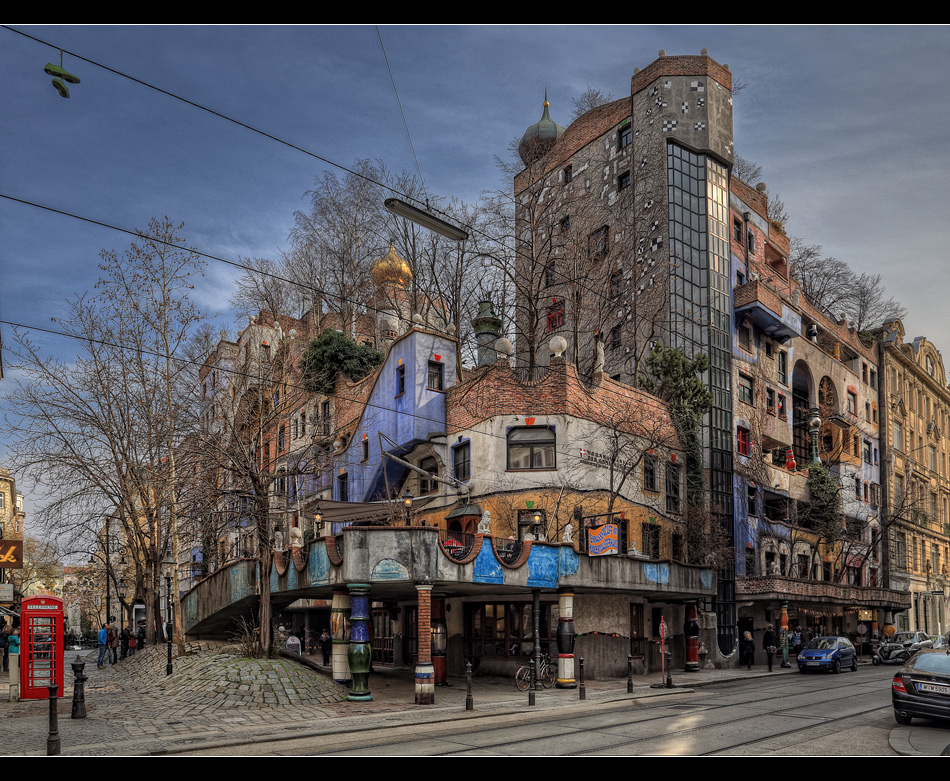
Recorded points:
(41, 647)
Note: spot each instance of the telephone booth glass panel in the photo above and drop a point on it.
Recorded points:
(41, 653)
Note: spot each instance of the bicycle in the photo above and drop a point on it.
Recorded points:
(547, 675)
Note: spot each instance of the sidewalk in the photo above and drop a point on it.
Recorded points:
(215, 701)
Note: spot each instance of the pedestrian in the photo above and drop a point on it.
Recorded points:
(4, 634)
(140, 636)
(103, 642)
(13, 642)
(133, 642)
(768, 644)
(113, 641)
(124, 638)
(326, 645)
(747, 650)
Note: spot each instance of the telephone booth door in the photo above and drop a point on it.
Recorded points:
(41, 647)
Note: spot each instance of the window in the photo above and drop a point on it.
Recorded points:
(852, 403)
(462, 458)
(565, 223)
(672, 488)
(864, 373)
(750, 241)
(769, 349)
(744, 334)
(555, 315)
(436, 376)
(933, 458)
(737, 230)
(745, 389)
(531, 448)
(615, 338)
(281, 437)
(597, 243)
(623, 181)
(428, 484)
(343, 487)
(857, 487)
(400, 380)
(898, 430)
(568, 173)
(872, 380)
(550, 273)
(770, 401)
(651, 540)
(752, 494)
(783, 367)
(867, 411)
(743, 441)
(782, 408)
(364, 449)
(650, 469)
(616, 283)
(624, 136)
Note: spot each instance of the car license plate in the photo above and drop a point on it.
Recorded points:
(814, 664)
(933, 687)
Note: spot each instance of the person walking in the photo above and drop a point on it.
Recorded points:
(113, 642)
(124, 637)
(326, 645)
(103, 643)
(768, 644)
(747, 650)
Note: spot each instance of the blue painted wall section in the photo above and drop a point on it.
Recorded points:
(487, 567)
(543, 567)
(390, 569)
(407, 418)
(318, 564)
(657, 573)
(240, 587)
(569, 560)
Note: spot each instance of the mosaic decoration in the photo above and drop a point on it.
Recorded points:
(697, 86)
(389, 569)
(656, 243)
(699, 126)
(668, 125)
(657, 573)
(661, 103)
(667, 84)
(701, 102)
(654, 90)
(685, 107)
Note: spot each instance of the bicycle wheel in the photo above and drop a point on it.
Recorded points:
(548, 675)
(523, 678)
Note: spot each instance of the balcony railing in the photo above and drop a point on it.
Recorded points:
(456, 544)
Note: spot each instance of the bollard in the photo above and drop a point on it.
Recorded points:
(469, 703)
(532, 687)
(168, 666)
(14, 677)
(53, 743)
(669, 673)
(582, 690)
(629, 673)
(79, 690)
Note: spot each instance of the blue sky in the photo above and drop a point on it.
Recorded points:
(850, 125)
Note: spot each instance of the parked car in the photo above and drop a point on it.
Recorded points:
(921, 688)
(828, 653)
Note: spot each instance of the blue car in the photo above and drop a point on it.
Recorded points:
(828, 653)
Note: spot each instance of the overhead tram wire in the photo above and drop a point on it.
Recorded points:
(235, 264)
(279, 140)
(238, 373)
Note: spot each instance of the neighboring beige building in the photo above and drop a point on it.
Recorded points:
(915, 424)
(11, 508)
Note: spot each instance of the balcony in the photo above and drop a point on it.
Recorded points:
(758, 303)
(778, 588)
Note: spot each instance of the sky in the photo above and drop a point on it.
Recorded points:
(850, 125)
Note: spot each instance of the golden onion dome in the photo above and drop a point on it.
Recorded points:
(390, 268)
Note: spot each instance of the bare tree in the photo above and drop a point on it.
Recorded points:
(99, 433)
(589, 99)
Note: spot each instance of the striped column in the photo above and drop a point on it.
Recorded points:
(339, 630)
(425, 674)
(565, 641)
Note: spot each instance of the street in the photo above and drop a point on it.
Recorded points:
(792, 714)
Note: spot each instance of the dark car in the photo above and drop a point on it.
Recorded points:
(922, 687)
(828, 653)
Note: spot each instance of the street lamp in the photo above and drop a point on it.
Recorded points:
(168, 566)
(407, 502)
